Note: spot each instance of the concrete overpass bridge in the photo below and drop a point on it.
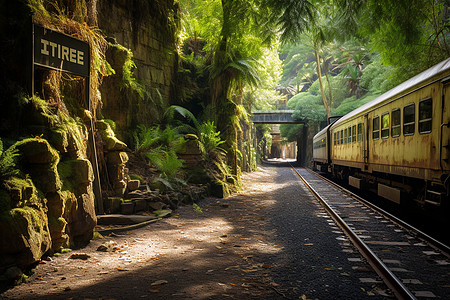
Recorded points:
(274, 117)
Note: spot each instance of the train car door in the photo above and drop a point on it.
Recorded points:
(445, 126)
(366, 142)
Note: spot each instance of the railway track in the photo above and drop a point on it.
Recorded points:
(411, 264)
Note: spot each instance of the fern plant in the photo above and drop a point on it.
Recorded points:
(209, 138)
(168, 163)
(8, 166)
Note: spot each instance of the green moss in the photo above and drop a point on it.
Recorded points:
(57, 224)
(37, 151)
(97, 236)
(27, 215)
(26, 193)
(136, 177)
(70, 200)
(65, 170)
(108, 136)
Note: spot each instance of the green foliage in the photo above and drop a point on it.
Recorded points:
(166, 162)
(291, 131)
(197, 208)
(209, 138)
(8, 165)
(406, 33)
(146, 139)
(136, 177)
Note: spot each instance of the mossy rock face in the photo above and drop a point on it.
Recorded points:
(81, 219)
(219, 189)
(56, 204)
(109, 139)
(117, 158)
(22, 192)
(76, 171)
(191, 146)
(37, 151)
(57, 227)
(24, 236)
(58, 137)
(47, 179)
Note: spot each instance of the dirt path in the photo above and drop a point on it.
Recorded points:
(201, 255)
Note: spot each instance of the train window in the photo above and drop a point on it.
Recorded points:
(425, 113)
(334, 138)
(409, 118)
(345, 136)
(349, 135)
(354, 133)
(385, 126)
(376, 128)
(342, 137)
(360, 132)
(395, 129)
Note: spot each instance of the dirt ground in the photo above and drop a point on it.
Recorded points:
(214, 254)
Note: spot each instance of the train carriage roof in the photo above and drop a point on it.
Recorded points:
(398, 90)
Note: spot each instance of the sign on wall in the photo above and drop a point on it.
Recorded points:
(61, 52)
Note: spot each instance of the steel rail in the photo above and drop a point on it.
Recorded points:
(392, 281)
(420, 234)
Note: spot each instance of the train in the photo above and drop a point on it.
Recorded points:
(396, 145)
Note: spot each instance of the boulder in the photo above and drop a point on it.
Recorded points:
(37, 151)
(24, 236)
(82, 219)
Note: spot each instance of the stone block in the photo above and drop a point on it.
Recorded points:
(140, 205)
(133, 185)
(82, 171)
(113, 204)
(127, 208)
(116, 158)
(120, 187)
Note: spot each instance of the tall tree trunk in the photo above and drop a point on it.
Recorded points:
(322, 90)
(224, 108)
(330, 95)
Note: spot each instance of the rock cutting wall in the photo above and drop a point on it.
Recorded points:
(148, 29)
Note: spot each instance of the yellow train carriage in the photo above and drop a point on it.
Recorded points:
(321, 155)
(399, 137)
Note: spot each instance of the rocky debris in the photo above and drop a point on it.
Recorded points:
(109, 246)
(82, 256)
(115, 157)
